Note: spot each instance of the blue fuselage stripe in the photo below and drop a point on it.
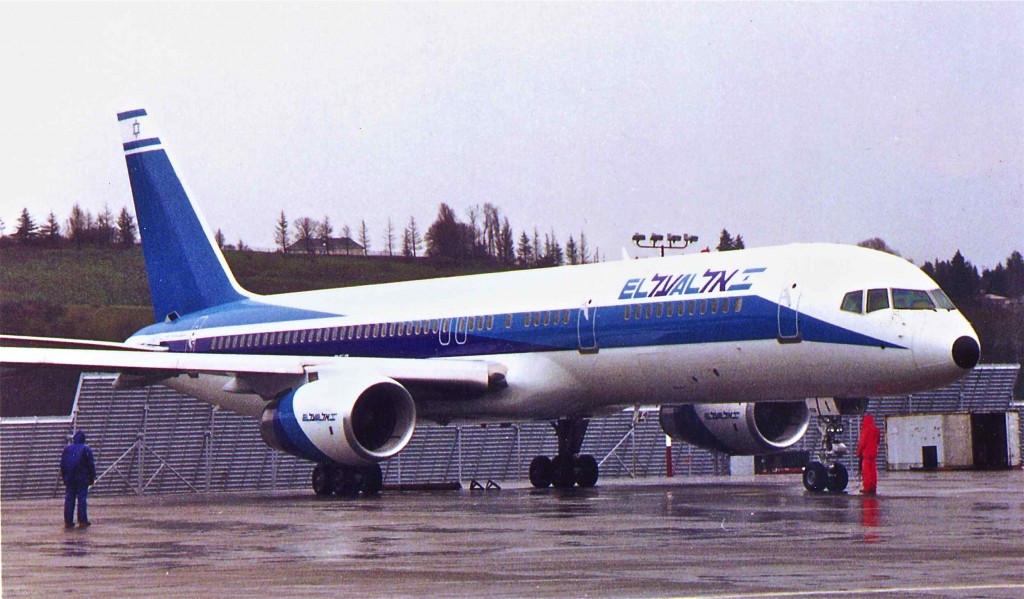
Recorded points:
(141, 143)
(648, 325)
(131, 114)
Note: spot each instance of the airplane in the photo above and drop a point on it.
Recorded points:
(735, 348)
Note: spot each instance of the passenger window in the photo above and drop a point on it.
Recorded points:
(912, 299)
(490, 322)
(703, 307)
(693, 307)
(472, 325)
(738, 307)
(566, 316)
(625, 314)
(853, 302)
(660, 310)
(647, 311)
(714, 306)
(637, 311)
(526, 320)
(725, 305)
(547, 318)
(878, 299)
(508, 321)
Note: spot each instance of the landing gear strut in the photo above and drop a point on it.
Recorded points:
(568, 468)
(834, 477)
(347, 481)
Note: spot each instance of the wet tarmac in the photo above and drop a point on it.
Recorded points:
(927, 534)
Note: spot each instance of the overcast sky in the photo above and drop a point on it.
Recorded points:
(780, 122)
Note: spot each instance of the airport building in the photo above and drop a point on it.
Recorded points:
(155, 440)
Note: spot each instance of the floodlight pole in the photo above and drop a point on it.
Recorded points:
(657, 241)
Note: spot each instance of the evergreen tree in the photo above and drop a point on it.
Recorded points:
(727, 243)
(506, 244)
(220, 239)
(126, 228)
(51, 230)
(571, 251)
(27, 229)
(525, 251)
(106, 232)
(281, 235)
(78, 225)
(448, 239)
(584, 250)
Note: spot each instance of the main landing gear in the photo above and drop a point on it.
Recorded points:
(568, 468)
(347, 481)
(834, 477)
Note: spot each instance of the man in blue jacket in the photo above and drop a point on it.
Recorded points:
(78, 469)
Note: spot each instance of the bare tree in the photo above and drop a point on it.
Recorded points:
(364, 237)
(346, 232)
(413, 240)
(389, 237)
(324, 232)
(305, 233)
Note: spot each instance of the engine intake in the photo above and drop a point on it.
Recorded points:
(353, 419)
(738, 428)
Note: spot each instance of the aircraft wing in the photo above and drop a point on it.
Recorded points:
(145, 365)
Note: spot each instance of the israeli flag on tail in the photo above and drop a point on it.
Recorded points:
(184, 276)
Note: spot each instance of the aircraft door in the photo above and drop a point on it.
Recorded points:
(195, 332)
(444, 331)
(460, 331)
(789, 315)
(586, 328)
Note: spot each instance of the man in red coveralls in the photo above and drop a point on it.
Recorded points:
(867, 451)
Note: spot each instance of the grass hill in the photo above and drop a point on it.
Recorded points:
(102, 293)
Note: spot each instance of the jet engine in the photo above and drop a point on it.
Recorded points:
(737, 428)
(354, 419)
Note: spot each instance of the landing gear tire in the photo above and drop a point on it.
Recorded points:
(586, 471)
(815, 477)
(541, 472)
(563, 473)
(322, 480)
(347, 482)
(373, 480)
(837, 478)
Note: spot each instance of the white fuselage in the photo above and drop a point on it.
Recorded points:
(754, 325)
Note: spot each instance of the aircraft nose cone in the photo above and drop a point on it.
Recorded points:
(966, 352)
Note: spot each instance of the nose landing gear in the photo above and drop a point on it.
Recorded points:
(817, 476)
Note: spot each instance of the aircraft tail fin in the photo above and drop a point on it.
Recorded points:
(185, 267)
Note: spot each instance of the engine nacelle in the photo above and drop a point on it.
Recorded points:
(737, 428)
(352, 418)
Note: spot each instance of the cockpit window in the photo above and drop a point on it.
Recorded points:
(942, 300)
(912, 299)
(853, 302)
(878, 299)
